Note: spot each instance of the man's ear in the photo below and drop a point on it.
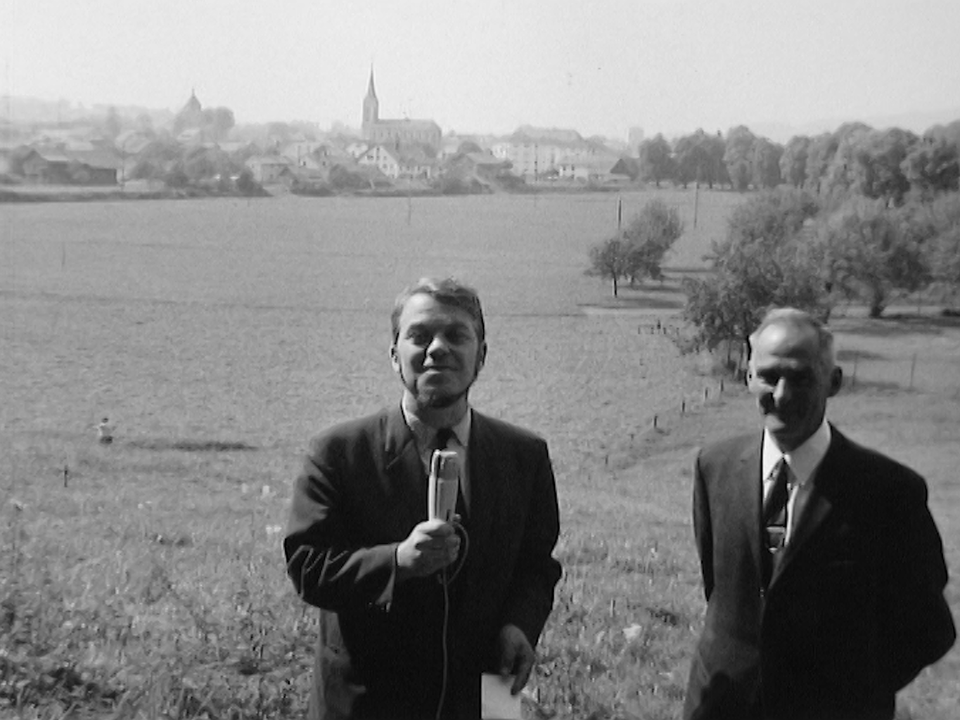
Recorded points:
(836, 381)
(481, 356)
(394, 360)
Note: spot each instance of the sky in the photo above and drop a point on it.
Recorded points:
(489, 66)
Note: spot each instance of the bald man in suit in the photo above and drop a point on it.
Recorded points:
(822, 567)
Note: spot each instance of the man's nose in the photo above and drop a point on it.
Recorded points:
(437, 345)
(781, 390)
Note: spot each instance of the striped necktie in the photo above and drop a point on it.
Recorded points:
(774, 516)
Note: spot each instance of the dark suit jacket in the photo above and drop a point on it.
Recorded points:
(361, 491)
(855, 608)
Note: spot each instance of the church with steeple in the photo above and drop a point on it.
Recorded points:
(395, 132)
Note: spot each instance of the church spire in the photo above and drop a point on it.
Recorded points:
(371, 106)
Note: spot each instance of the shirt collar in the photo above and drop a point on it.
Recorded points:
(426, 435)
(803, 460)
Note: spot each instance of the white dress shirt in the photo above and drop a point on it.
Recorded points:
(803, 462)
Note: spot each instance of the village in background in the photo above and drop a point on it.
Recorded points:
(136, 149)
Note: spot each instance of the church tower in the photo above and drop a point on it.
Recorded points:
(371, 107)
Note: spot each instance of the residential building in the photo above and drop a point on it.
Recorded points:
(541, 153)
(268, 169)
(400, 162)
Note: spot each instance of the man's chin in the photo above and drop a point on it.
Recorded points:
(437, 400)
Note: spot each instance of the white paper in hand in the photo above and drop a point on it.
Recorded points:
(496, 702)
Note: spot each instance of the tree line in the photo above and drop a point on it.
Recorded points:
(859, 215)
(795, 247)
(856, 157)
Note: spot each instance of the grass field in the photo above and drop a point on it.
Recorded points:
(221, 334)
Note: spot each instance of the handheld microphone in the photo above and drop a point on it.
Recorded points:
(444, 485)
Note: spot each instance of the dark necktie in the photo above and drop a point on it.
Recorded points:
(774, 517)
(444, 435)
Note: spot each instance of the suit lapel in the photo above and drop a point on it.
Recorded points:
(750, 496)
(818, 505)
(486, 481)
(401, 461)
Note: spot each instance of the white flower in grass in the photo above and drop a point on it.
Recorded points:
(632, 632)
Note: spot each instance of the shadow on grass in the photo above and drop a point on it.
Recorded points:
(636, 303)
(851, 355)
(871, 386)
(894, 325)
(191, 445)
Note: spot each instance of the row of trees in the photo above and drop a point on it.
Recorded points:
(858, 215)
(854, 158)
(789, 247)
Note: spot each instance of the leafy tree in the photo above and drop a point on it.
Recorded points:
(738, 156)
(651, 234)
(206, 163)
(878, 160)
(218, 122)
(342, 178)
(699, 158)
(949, 133)
(715, 171)
(820, 154)
(176, 178)
(693, 161)
(639, 250)
(767, 258)
(932, 167)
(943, 247)
(247, 185)
(156, 159)
(610, 259)
(765, 162)
(793, 162)
(840, 174)
(870, 254)
(656, 160)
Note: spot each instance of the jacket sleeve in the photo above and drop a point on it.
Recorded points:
(702, 528)
(918, 626)
(537, 572)
(329, 565)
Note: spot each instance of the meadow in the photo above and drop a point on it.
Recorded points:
(145, 579)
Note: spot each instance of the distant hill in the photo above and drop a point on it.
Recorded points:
(34, 110)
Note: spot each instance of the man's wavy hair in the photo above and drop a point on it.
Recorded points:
(448, 291)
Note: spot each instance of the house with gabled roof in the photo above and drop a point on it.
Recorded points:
(268, 169)
(59, 166)
(396, 162)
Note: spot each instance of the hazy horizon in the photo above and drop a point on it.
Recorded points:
(488, 67)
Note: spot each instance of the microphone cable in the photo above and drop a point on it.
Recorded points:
(445, 582)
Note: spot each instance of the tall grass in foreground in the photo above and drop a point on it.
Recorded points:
(152, 584)
(122, 597)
